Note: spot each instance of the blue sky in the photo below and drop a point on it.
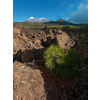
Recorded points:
(71, 10)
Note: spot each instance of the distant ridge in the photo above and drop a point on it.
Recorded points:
(64, 22)
(61, 22)
(45, 21)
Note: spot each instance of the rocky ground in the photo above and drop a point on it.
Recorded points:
(32, 80)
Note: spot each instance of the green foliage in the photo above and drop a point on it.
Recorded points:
(53, 56)
(66, 71)
(57, 26)
(23, 25)
(72, 56)
(16, 23)
(84, 27)
(58, 60)
(32, 28)
(66, 26)
(52, 24)
(34, 24)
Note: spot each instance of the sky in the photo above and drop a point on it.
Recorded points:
(71, 10)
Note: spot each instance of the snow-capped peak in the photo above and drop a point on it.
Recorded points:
(40, 20)
(31, 18)
(44, 19)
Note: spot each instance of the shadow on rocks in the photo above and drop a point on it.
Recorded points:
(55, 86)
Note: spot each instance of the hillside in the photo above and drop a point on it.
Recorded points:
(32, 80)
(63, 22)
(43, 23)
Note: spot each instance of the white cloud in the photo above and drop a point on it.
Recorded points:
(67, 18)
(71, 6)
(63, 3)
(81, 15)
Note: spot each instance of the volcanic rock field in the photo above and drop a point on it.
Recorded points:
(31, 78)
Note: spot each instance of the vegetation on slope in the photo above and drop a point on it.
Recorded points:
(56, 24)
(60, 61)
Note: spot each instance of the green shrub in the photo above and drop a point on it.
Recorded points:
(66, 27)
(54, 56)
(16, 23)
(57, 59)
(23, 25)
(71, 57)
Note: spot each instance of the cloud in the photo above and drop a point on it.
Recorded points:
(79, 16)
(67, 18)
(63, 3)
(71, 6)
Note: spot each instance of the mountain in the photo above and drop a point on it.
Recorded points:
(44, 20)
(63, 22)
(60, 22)
(40, 20)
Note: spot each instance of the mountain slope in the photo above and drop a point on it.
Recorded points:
(63, 22)
(40, 20)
